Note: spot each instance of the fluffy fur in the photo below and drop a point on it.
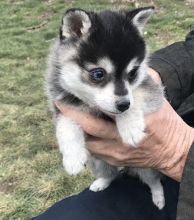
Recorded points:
(99, 64)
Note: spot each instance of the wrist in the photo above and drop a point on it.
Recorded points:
(181, 145)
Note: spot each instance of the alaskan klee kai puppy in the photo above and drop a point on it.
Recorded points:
(99, 65)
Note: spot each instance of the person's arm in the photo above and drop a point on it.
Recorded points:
(175, 65)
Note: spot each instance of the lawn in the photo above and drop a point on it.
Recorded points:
(31, 174)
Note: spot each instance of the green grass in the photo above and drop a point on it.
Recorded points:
(31, 173)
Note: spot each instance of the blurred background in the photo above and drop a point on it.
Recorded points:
(32, 177)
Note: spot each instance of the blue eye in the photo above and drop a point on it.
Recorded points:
(97, 74)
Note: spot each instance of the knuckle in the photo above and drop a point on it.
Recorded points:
(91, 130)
(120, 155)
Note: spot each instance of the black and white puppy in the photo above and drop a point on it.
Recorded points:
(99, 65)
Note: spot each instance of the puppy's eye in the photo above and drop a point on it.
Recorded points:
(133, 74)
(97, 74)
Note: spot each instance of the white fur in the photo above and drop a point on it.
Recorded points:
(143, 71)
(81, 90)
(131, 65)
(103, 98)
(103, 172)
(104, 63)
(69, 53)
(131, 126)
(130, 123)
(100, 184)
(107, 64)
(71, 142)
(157, 194)
(151, 178)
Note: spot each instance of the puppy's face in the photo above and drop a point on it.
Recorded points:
(102, 57)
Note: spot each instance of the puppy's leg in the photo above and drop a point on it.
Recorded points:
(131, 126)
(152, 179)
(71, 142)
(104, 174)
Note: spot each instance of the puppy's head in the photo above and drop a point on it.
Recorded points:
(102, 56)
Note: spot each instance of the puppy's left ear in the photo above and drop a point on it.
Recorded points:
(140, 16)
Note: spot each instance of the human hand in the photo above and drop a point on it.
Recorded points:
(165, 146)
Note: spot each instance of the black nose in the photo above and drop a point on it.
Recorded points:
(122, 105)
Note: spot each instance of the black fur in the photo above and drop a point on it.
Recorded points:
(112, 35)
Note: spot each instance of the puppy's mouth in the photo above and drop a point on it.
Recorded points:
(111, 113)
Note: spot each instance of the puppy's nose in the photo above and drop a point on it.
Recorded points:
(122, 105)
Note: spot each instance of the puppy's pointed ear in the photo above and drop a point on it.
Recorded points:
(75, 23)
(140, 16)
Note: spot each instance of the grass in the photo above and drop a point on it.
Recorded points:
(31, 173)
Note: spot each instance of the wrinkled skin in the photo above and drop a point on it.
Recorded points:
(165, 147)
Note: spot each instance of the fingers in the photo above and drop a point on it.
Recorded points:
(114, 153)
(90, 124)
(102, 147)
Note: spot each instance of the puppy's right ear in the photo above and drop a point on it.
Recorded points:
(75, 23)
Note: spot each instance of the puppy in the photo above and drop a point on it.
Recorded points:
(98, 64)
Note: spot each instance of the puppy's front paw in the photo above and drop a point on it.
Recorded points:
(99, 185)
(131, 128)
(136, 136)
(133, 136)
(74, 165)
